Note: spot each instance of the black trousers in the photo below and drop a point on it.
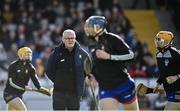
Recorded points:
(65, 101)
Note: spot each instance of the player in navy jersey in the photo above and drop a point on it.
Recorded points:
(109, 54)
(168, 60)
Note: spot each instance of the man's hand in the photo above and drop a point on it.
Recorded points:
(89, 80)
(171, 79)
(28, 88)
(101, 54)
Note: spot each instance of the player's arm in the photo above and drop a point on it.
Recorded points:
(40, 89)
(34, 77)
(123, 57)
(37, 84)
(160, 79)
(174, 78)
(12, 75)
(158, 83)
(123, 52)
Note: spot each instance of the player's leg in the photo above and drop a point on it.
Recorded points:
(109, 104)
(124, 93)
(16, 104)
(10, 107)
(132, 106)
(128, 96)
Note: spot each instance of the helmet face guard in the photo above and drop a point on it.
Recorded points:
(163, 39)
(95, 25)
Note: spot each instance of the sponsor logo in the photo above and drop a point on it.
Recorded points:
(80, 56)
(127, 96)
(26, 71)
(62, 60)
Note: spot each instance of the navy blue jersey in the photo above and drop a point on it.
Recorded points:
(168, 62)
(111, 73)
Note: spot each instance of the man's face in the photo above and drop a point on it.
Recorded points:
(160, 43)
(27, 56)
(69, 40)
(89, 30)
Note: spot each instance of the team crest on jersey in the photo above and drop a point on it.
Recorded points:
(26, 71)
(80, 56)
(166, 62)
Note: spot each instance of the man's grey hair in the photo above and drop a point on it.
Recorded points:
(68, 31)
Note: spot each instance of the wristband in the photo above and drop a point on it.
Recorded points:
(178, 76)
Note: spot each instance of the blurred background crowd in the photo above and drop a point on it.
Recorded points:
(39, 24)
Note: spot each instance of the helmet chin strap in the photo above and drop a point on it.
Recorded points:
(165, 47)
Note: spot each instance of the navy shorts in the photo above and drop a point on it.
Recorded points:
(173, 96)
(9, 96)
(125, 93)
